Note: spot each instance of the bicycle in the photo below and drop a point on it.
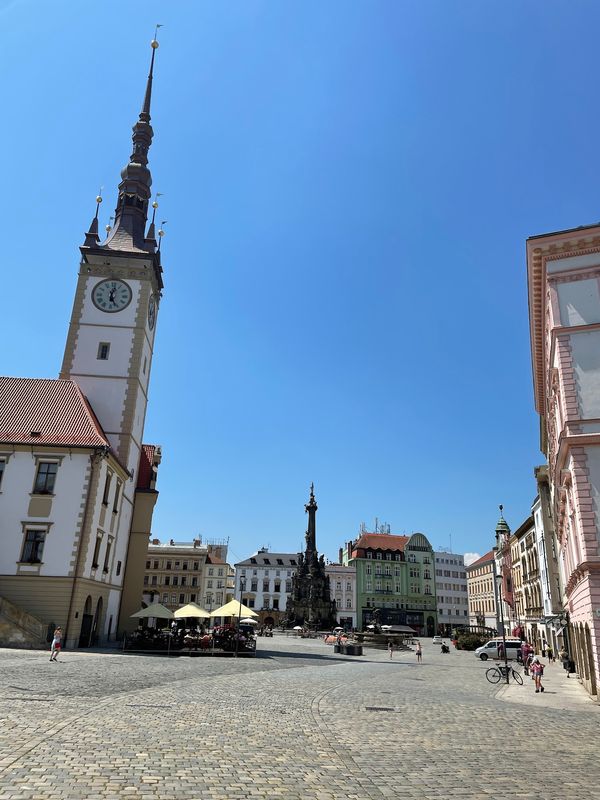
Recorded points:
(496, 674)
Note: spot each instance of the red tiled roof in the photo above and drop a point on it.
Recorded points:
(381, 541)
(55, 411)
(145, 466)
(487, 557)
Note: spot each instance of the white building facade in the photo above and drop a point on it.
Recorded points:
(451, 591)
(264, 582)
(342, 582)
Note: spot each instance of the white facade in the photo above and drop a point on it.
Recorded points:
(342, 582)
(267, 580)
(451, 589)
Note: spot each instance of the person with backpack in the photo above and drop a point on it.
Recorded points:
(537, 670)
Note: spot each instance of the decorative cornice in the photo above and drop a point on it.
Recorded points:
(537, 258)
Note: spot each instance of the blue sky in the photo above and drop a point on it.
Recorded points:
(348, 188)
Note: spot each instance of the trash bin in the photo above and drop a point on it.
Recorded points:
(353, 650)
(336, 648)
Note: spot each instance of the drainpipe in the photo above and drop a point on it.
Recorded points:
(94, 457)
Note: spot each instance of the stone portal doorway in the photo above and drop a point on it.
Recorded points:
(430, 626)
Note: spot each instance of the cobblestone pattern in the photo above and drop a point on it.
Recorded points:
(296, 722)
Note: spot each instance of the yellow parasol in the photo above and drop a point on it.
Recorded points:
(234, 609)
(191, 610)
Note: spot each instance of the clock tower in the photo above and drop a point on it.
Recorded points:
(111, 334)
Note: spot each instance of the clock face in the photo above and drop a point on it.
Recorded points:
(151, 313)
(111, 295)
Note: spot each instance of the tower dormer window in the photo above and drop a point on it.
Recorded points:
(103, 351)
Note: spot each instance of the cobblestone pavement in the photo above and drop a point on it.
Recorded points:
(296, 722)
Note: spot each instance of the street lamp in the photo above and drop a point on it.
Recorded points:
(499, 586)
(237, 635)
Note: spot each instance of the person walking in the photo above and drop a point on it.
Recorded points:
(390, 648)
(550, 654)
(537, 670)
(419, 652)
(55, 646)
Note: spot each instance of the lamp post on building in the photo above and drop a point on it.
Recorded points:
(500, 601)
(237, 633)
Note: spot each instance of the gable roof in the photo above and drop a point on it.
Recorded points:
(483, 560)
(41, 411)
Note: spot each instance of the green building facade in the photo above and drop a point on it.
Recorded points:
(396, 575)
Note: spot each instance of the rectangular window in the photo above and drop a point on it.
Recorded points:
(103, 351)
(369, 555)
(156, 565)
(183, 581)
(211, 571)
(348, 587)
(46, 477)
(348, 602)
(196, 566)
(220, 572)
(192, 598)
(209, 584)
(173, 599)
(378, 556)
(107, 557)
(106, 488)
(277, 586)
(288, 586)
(182, 599)
(368, 569)
(177, 564)
(33, 546)
(154, 580)
(167, 580)
(219, 597)
(265, 586)
(368, 586)
(145, 580)
(254, 586)
(184, 565)
(276, 603)
(165, 598)
(118, 571)
(96, 552)
(147, 565)
(168, 565)
(251, 602)
(117, 497)
(175, 581)
(194, 581)
(2, 466)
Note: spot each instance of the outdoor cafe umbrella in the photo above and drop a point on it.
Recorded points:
(191, 610)
(233, 609)
(248, 621)
(156, 610)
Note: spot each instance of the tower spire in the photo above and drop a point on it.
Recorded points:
(131, 213)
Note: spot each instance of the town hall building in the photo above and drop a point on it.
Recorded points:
(77, 484)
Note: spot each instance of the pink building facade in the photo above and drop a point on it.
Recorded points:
(564, 309)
